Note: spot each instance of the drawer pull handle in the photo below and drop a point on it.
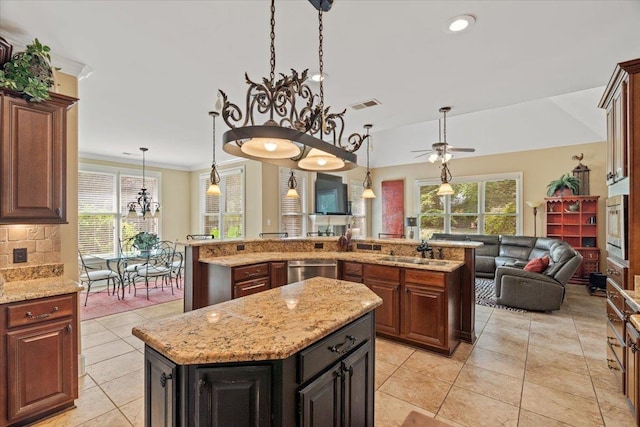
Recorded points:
(349, 342)
(201, 385)
(613, 342)
(613, 318)
(613, 368)
(30, 315)
(632, 346)
(163, 379)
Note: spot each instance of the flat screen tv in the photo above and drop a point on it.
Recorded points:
(331, 195)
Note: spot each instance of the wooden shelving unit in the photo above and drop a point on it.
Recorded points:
(574, 219)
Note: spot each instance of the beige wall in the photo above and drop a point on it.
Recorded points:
(538, 168)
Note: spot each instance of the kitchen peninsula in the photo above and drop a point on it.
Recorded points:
(216, 271)
(294, 355)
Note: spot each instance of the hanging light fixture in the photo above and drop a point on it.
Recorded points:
(144, 204)
(292, 183)
(214, 177)
(445, 177)
(291, 120)
(368, 192)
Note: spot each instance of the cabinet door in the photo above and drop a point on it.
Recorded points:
(233, 396)
(41, 372)
(160, 378)
(425, 317)
(359, 387)
(278, 274)
(249, 287)
(631, 373)
(388, 314)
(611, 143)
(33, 162)
(620, 133)
(321, 400)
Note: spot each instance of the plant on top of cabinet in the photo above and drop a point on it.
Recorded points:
(29, 72)
(558, 187)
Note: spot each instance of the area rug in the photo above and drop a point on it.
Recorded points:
(100, 304)
(486, 295)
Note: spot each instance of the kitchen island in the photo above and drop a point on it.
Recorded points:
(294, 355)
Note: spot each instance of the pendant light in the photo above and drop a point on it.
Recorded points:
(144, 204)
(292, 183)
(214, 177)
(445, 188)
(368, 192)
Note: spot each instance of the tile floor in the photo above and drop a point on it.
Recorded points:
(526, 369)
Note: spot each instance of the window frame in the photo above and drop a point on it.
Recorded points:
(223, 194)
(481, 180)
(302, 177)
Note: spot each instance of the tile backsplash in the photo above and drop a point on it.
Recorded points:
(43, 244)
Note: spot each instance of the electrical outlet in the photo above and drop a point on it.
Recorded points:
(239, 247)
(19, 255)
(377, 247)
(318, 245)
(363, 246)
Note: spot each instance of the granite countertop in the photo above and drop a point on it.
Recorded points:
(23, 290)
(257, 257)
(635, 321)
(270, 325)
(410, 242)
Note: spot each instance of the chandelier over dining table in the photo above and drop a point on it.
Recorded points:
(285, 123)
(143, 206)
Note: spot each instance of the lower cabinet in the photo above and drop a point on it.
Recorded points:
(633, 368)
(278, 273)
(329, 383)
(385, 282)
(39, 367)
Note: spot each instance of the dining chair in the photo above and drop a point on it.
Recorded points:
(89, 275)
(128, 266)
(158, 265)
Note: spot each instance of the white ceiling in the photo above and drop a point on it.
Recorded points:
(529, 74)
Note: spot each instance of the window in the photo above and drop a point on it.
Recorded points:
(293, 211)
(103, 195)
(479, 205)
(223, 216)
(358, 209)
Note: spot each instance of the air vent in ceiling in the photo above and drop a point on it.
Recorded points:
(365, 104)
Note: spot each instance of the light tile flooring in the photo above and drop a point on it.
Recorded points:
(526, 369)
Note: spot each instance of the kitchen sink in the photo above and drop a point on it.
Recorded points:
(414, 260)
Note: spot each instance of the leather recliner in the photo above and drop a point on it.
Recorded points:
(538, 291)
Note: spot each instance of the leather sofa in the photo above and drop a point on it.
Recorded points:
(503, 257)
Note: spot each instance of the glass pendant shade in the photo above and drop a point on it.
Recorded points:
(318, 160)
(132, 213)
(213, 190)
(270, 148)
(293, 194)
(445, 189)
(368, 194)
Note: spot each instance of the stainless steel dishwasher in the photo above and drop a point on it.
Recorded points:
(308, 268)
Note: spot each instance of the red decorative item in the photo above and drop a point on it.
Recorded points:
(393, 207)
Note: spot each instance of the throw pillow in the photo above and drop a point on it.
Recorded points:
(537, 265)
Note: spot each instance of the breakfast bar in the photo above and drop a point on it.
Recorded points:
(255, 360)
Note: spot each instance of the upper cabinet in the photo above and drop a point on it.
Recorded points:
(33, 159)
(618, 103)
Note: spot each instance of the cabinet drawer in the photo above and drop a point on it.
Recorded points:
(613, 341)
(615, 366)
(614, 296)
(422, 277)
(380, 272)
(250, 272)
(35, 311)
(617, 272)
(615, 320)
(320, 355)
(352, 269)
(249, 287)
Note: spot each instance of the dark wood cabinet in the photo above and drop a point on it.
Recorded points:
(351, 271)
(33, 159)
(278, 273)
(250, 279)
(633, 369)
(40, 366)
(574, 219)
(329, 383)
(385, 282)
(242, 289)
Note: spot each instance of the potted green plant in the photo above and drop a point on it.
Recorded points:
(145, 241)
(562, 186)
(29, 72)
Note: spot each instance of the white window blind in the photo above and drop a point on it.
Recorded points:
(358, 209)
(223, 216)
(103, 195)
(293, 210)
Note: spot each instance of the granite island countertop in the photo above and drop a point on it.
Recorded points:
(23, 290)
(270, 325)
(258, 257)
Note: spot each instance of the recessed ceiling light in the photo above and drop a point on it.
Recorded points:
(459, 23)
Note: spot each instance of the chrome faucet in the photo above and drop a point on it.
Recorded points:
(424, 247)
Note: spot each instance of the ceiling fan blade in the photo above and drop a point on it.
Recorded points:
(420, 155)
(419, 151)
(461, 150)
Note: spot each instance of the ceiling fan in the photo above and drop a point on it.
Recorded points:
(442, 150)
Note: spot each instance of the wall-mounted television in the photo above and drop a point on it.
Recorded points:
(331, 195)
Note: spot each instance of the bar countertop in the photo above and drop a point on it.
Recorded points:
(270, 325)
